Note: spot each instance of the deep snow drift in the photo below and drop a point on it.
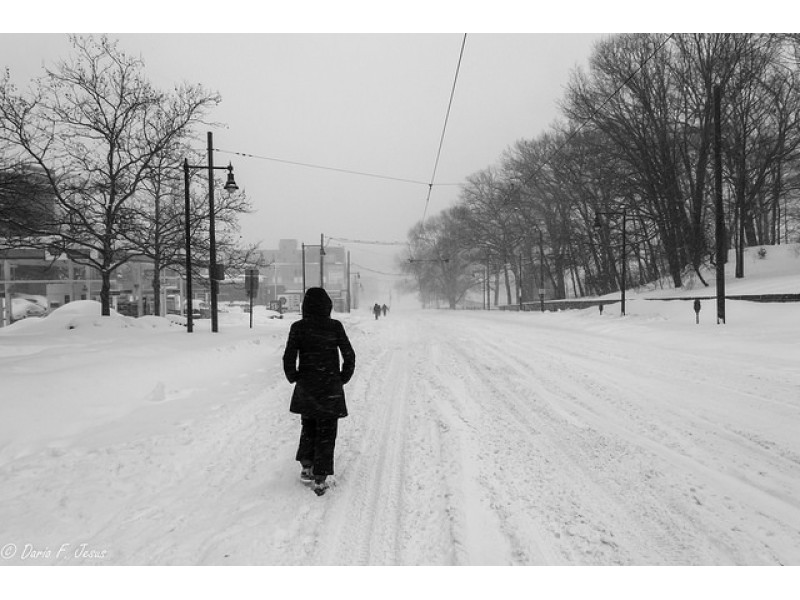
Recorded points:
(475, 438)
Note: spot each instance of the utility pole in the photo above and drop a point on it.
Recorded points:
(347, 276)
(541, 272)
(212, 243)
(304, 268)
(720, 221)
(519, 283)
(187, 301)
(321, 260)
(488, 292)
(624, 257)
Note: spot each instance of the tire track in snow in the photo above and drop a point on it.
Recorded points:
(685, 528)
(523, 467)
(606, 454)
(387, 507)
(361, 523)
(688, 444)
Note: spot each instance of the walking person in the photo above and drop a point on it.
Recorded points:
(377, 310)
(317, 341)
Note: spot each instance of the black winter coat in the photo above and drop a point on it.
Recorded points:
(317, 340)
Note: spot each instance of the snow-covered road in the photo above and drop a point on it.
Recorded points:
(474, 439)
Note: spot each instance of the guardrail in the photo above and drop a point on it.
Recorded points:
(579, 303)
(747, 297)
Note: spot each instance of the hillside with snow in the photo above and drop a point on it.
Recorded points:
(767, 270)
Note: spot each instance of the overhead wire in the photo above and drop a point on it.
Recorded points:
(323, 167)
(378, 272)
(444, 127)
(349, 241)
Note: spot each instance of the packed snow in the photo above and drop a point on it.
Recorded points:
(474, 438)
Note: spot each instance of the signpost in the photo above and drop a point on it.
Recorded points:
(251, 286)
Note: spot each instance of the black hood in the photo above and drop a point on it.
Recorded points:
(317, 303)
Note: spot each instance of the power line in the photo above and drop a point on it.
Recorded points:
(326, 168)
(362, 267)
(444, 128)
(367, 242)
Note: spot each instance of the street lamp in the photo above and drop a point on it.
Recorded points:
(541, 271)
(213, 272)
(598, 223)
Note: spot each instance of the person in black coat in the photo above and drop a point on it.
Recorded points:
(318, 396)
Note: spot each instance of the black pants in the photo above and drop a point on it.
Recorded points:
(317, 442)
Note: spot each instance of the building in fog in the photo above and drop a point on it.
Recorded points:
(283, 277)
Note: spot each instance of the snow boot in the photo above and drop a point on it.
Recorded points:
(307, 475)
(320, 487)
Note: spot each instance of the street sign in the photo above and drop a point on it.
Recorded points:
(251, 282)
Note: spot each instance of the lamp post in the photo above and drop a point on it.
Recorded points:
(519, 216)
(541, 272)
(304, 269)
(275, 280)
(520, 283)
(598, 223)
(486, 298)
(230, 186)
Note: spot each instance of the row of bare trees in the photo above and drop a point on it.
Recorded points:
(90, 165)
(636, 137)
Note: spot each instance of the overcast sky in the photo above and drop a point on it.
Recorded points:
(371, 103)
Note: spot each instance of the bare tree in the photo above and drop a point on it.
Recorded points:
(440, 257)
(94, 126)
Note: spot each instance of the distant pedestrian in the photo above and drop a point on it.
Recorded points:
(385, 309)
(318, 397)
(377, 310)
